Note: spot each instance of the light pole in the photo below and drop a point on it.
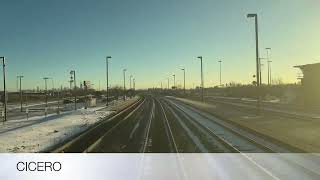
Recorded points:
(46, 89)
(107, 67)
(73, 73)
(168, 83)
(124, 84)
(20, 79)
(269, 65)
(184, 80)
(174, 81)
(4, 88)
(270, 72)
(255, 16)
(52, 84)
(53, 90)
(130, 81)
(202, 86)
(260, 70)
(220, 72)
(59, 98)
(134, 84)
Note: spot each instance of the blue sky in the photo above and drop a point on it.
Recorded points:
(153, 39)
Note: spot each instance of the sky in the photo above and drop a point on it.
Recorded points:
(154, 39)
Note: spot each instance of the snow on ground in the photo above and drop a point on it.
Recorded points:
(12, 106)
(39, 133)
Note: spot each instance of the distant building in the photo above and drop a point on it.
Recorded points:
(310, 82)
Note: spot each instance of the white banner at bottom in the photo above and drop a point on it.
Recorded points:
(165, 166)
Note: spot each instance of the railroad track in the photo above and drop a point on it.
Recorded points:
(230, 145)
(82, 142)
(137, 132)
(120, 137)
(171, 139)
(222, 134)
(266, 107)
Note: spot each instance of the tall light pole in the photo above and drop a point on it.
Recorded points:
(220, 72)
(202, 86)
(20, 79)
(130, 81)
(52, 84)
(270, 72)
(4, 88)
(46, 89)
(73, 73)
(255, 16)
(168, 83)
(260, 70)
(269, 65)
(134, 84)
(174, 81)
(184, 80)
(124, 84)
(107, 67)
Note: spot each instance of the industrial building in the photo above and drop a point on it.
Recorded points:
(310, 83)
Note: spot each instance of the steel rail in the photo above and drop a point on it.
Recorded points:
(254, 142)
(93, 145)
(88, 132)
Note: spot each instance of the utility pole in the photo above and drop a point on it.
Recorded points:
(269, 67)
(220, 72)
(20, 78)
(46, 90)
(255, 16)
(107, 67)
(184, 80)
(4, 88)
(124, 84)
(202, 86)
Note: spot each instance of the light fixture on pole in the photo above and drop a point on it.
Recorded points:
(269, 65)
(124, 84)
(184, 80)
(220, 72)
(20, 79)
(73, 73)
(130, 81)
(174, 81)
(255, 16)
(4, 88)
(260, 70)
(46, 90)
(202, 84)
(107, 67)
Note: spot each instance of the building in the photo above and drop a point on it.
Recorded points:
(310, 82)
